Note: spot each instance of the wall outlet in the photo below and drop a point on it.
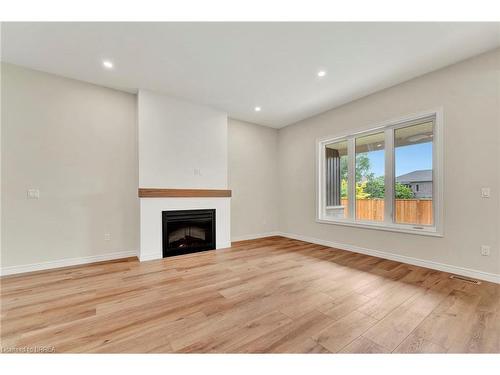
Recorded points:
(107, 236)
(197, 172)
(33, 194)
(485, 192)
(485, 250)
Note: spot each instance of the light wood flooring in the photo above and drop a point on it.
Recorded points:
(273, 295)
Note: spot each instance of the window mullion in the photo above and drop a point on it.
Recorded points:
(389, 177)
(351, 178)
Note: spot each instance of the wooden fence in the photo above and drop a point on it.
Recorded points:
(411, 211)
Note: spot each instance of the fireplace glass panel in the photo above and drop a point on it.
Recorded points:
(188, 231)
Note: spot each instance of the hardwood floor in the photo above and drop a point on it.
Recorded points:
(273, 295)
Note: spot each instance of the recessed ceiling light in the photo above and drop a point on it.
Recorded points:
(257, 109)
(321, 73)
(107, 64)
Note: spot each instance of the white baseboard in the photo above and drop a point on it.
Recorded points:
(254, 236)
(11, 270)
(492, 277)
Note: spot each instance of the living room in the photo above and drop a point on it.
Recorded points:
(250, 187)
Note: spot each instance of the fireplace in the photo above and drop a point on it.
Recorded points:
(188, 231)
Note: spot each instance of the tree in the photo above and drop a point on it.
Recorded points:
(403, 191)
(343, 189)
(362, 167)
(361, 191)
(375, 186)
(343, 168)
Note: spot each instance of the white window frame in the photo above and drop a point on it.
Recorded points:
(388, 128)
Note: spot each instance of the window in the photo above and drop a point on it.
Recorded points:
(336, 179)
(413, 147)
(370, 164)
(386, 178)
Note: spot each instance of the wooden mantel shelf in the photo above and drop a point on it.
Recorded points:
(182, 193)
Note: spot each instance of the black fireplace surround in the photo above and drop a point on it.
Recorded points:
(188, 231)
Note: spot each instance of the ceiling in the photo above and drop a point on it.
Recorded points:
(235, 67)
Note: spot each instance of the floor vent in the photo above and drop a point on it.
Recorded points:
(467, 280)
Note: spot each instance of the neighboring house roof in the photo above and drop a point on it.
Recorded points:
(424, 175)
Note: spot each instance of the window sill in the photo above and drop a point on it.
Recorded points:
(426, 231)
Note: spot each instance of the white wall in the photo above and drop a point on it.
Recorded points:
(77, 144)
(469, 95)
(175, 139)
(253, 179)
(181, 145)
